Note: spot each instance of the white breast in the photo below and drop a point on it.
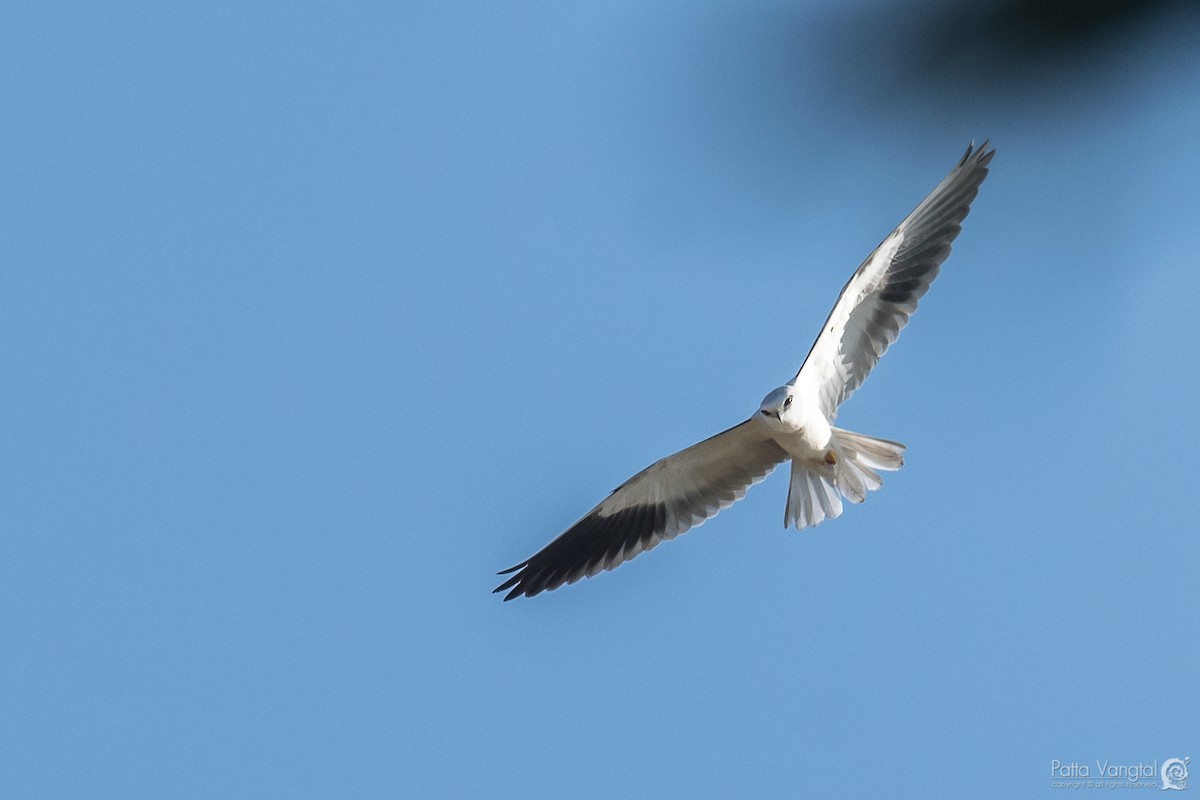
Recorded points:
(807, 432)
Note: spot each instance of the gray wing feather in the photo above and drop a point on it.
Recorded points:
(662, 501)
(879, 298)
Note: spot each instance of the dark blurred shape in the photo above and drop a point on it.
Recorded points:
(1022, 29)
(1025, 34)
(1012, 52)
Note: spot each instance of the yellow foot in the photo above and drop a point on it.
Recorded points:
(830, 457)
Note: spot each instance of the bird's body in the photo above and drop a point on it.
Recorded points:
(794, 422)
(800, 428)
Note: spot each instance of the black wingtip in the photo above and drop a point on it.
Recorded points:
(980, 155)
(516, 588)
(508, 584)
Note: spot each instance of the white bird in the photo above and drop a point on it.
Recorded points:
(794, 421)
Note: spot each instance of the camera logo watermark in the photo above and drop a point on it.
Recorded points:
(1106, 774)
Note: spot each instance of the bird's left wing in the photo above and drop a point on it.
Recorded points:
(660, 502)
(883, 293)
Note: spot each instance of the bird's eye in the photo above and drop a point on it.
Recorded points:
(787, 401)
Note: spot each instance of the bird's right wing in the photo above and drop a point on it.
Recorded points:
(660, 502)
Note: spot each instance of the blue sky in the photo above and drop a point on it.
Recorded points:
(316, 316)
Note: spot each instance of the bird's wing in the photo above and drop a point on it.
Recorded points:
(660, 502)
(883, 293)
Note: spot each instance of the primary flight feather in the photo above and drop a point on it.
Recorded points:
(793, 422)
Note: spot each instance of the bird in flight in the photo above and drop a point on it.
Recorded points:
(793, 422)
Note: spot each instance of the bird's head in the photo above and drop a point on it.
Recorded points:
(776, 404)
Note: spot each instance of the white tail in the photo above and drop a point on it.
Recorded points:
(817, 487)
